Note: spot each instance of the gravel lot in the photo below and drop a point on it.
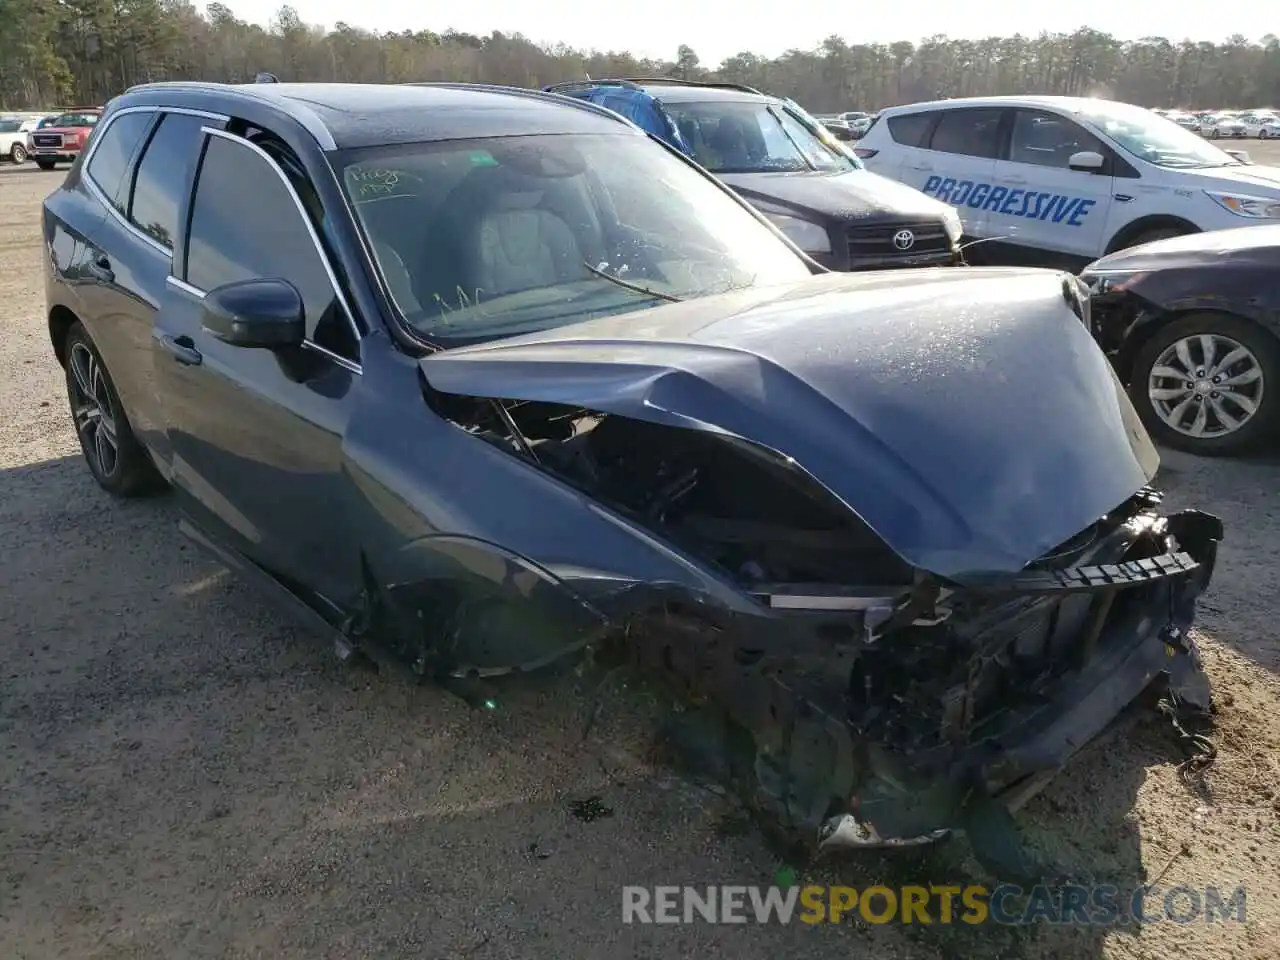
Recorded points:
(185, 775)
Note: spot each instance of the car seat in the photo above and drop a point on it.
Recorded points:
(495, 235)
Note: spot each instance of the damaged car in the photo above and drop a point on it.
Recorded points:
(478, 379)
(1192, 325)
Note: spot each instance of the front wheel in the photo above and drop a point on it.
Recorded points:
(18, 154)
(1208, 384)
(46, 164)
(114, 456)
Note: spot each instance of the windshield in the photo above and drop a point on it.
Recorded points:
(753, 136)
(10, 126)
(71, 120)
(1153, 138)
(480, 239)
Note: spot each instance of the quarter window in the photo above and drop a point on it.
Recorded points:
(1048, 140)
(110, 160)
(246, 225)
(163, 176)
(971, 133)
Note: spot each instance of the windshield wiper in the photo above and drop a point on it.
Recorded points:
(628, 285)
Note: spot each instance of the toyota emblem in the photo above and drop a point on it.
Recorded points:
(904, 239)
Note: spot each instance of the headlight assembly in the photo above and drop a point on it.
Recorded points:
(1242, 205)
(805, 234)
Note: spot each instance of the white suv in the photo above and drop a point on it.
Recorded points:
(1066, 179)
(13, 136)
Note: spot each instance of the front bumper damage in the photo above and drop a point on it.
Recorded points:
(854, 726)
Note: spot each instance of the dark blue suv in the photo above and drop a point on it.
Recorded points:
(796, 173)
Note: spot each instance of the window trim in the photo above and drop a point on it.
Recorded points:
(185, 227)
(96, 189)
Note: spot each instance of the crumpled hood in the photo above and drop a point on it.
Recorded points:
(966, 415)
(1239, 245)
(855, 195)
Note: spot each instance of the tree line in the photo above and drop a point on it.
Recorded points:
(63, 52)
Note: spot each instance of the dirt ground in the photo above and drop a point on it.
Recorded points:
(183, 774)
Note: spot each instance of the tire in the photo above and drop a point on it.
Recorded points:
(45, 164)
(1152, 234)
(18, 154)
(1171, 411)
(113, 454)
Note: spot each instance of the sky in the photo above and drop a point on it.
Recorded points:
(768, 27)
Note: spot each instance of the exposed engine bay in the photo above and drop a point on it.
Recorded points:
(877, 699)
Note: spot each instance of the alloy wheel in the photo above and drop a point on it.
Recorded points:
(1206, 385)
(93, 410)
(18, 154)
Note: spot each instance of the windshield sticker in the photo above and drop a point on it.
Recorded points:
(1029, 204)
(483, 158)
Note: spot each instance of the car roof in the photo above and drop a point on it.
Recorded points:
(1070, 104)
(368, 114)
(690, 93)
(672, 90)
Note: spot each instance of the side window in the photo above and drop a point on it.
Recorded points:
(164, 175)
(910, 129)
(971, 133)
(115, 146)
(245, 225)
(1048, 140)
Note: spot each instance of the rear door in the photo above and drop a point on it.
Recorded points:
(257, 434)
(141, 167)
(1038, 201)
(957, 164)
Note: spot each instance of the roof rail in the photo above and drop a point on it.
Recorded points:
(676, 81)
(530, 92)
(582, 84)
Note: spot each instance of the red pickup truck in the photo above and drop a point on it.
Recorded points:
(61, 138)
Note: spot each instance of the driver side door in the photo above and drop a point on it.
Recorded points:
(256, 433)
(1044, 204)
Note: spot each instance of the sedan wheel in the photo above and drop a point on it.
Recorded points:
(1206, 384)
(18, 154)
(115, 457)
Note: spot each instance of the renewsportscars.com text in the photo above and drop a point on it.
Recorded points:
(974, 904)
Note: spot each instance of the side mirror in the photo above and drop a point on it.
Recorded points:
(1086, 161)
(1241, 155)
(255, 313)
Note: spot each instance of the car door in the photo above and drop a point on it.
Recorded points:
(1038, 201)
(957, 163)
(257, 434)
(139, 168)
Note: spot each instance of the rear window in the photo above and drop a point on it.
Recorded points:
(163, 175)
(910, 128)
(114, 150)
(971, 133)
(72, 120)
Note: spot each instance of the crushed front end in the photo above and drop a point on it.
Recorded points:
(865, 719)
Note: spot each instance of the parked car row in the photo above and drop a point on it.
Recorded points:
(474, 378)
(1226, 124)
(48, 138)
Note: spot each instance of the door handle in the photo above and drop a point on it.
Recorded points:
(100, 267)
(920, 166)
(183, 350)
(1015, 179)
